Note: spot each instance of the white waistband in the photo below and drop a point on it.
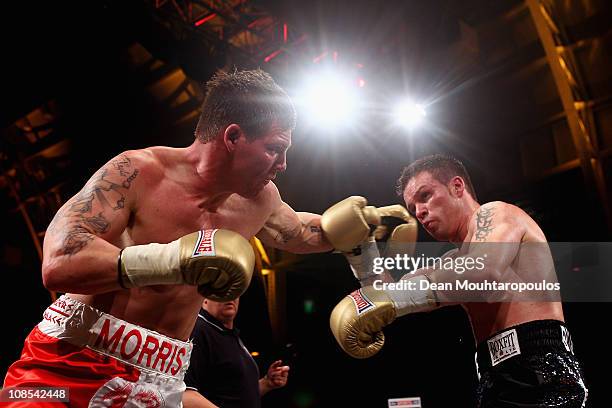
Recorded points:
(82, 325)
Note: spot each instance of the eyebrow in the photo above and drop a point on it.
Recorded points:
(281, 144)
(416, 193)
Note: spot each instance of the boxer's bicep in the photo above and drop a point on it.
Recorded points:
(295, 232)
(101, 209)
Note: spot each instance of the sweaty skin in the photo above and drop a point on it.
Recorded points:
(448, 213)
(158, 195)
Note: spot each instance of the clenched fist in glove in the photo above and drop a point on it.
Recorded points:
(357, 321)
(398, 229)
(220, 262)
(348, 225)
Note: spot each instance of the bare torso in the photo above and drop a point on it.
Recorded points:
(488, 318)
(166, 209)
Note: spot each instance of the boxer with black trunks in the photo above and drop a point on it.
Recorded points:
(135, 272)
(525, 356)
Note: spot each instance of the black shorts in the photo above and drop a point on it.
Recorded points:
(530, 365)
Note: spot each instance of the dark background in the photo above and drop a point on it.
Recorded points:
(75, 54)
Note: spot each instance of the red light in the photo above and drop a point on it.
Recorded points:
(361, 82)
(285, 33)
(272, 55)
(205, 19)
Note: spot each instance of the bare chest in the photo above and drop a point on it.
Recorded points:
(170, 213)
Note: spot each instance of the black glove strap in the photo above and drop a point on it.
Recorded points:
(119, 274)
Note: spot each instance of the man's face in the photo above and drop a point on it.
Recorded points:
(259, 160)
(222, 311)
(433, 204)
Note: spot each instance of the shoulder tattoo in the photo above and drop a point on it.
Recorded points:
(484, 223)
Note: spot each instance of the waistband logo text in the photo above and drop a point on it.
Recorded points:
(138, 346)
(503, 346)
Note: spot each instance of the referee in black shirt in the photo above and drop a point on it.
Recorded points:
(221, 371)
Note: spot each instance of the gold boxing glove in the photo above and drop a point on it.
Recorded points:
(220, 262)
(397, 233)
(347, 223)
(398, 229)
(357, 321)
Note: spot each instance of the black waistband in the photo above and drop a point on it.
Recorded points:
(530, 337)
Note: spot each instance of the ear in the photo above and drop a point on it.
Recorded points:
(457, 186)
(231, 136)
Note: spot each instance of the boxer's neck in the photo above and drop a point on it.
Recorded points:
(469, 206)
(209, 176)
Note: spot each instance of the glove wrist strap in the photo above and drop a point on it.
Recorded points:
(152, 264)
(362, 258)
(121, 276)
(418, 299)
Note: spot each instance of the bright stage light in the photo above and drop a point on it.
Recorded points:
(409, 114)
(329, 100)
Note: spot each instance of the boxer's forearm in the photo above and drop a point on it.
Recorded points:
(102, 267)
(92, 270)
(310, 237)
(76, 259)
(294, 232)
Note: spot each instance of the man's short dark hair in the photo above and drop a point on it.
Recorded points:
(250, 99)
(442, 167)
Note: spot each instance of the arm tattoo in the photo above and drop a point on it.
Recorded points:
(484, 223)
(122, 164)
(77, 237)
(80, 224)
(285, 235)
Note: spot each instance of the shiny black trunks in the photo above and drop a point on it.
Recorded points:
(530, 365)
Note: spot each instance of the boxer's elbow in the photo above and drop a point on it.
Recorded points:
(54, 273)
(49, 276)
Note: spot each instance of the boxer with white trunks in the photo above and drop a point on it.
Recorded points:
(125, 252)
(102, 360)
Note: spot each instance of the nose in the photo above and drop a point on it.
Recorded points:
(281, 163)
(421, 212)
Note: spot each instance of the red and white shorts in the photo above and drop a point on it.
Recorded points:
(104, 361)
